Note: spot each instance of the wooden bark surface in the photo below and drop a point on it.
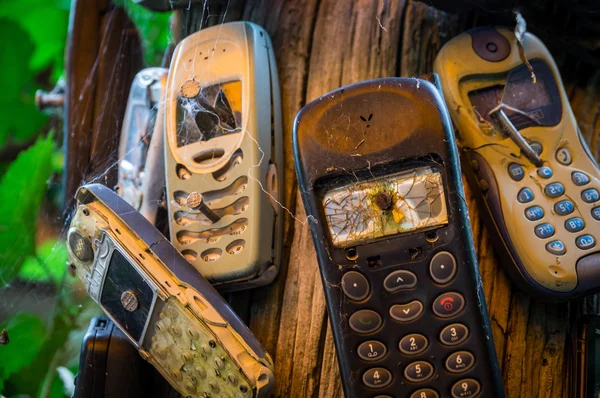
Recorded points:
(321, 45)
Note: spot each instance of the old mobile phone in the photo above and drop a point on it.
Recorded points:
(173, 316)
(527, 161)
(586, 358)
(224, 148)
(378, 172)
(141, 149)
(110, 366)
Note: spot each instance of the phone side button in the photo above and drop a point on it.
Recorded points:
(448, 304)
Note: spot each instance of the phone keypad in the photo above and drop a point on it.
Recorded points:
(448, 305)
(525, 195)
(554, 190)
(454, 334)
(564, 156)
(585, 242)
(544, 230)
(425, 393)
(580, 178)
(466, 388)
(377, 377)
(596, 213)
(556, 247)
(516, 171)
(355, 285)
(413, 344)
(442, 267)
(534, 213)
(545, 172)
(399, 280)
(365, 321)
(460, 362)
(574, 224)
(371, 350)
(564, 207)
(590, 195)
(418, 371)
(406, 312)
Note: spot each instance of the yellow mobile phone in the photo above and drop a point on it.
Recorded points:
(527, 161)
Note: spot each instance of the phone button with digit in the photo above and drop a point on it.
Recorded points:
(377, 377)
(418, 371)
(371, 350)
(425, 393)
(460, 362)
(454, 334)
(413, 344)
(466, 388)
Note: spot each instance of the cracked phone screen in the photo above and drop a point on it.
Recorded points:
(399, 203)
(214, 112)
(526, 103)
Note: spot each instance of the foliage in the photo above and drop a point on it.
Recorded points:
(21, 191)
(37, 30)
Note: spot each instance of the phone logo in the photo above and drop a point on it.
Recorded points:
(447, 303)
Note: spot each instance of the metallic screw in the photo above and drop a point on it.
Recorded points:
(195, 201)
(129, 301)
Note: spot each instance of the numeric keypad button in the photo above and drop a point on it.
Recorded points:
(460, 362)
(442, 267)
(406, 312)
(516, 171)
(564, 156)
(585, 242)
(525, 195)
(365, 321)
(545, 172)
(425, 393)
(556, 247)
(454, 334)
(399, 280)
(371, 350)
(534, 213)
(377, 378)
(596, 213)
(413, 344)
(579, 178)
(544, 231)
(574, 224)
(564, 207)
(418, 371)
(448, 304)
(554, 190)
(466, 388)
(590, 195)
(355, 285)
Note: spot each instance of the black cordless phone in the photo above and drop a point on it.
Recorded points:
(380, 179)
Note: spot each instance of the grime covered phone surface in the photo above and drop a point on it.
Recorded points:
(379, 177)
(526, 160)
(173, 316)
(223, 151)
(141, 149)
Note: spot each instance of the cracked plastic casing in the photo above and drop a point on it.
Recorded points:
(223, 140)
(481, 69)
(174, 317)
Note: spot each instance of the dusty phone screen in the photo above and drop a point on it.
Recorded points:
(214, 112)
(526, 103)
(394, 204)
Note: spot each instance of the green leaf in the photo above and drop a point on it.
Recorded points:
(48, 265)
(21, 191)
(26, 333)
(16, 80)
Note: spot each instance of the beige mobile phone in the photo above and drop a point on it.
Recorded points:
(173, 316)
(527, 160)
(223, 155)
